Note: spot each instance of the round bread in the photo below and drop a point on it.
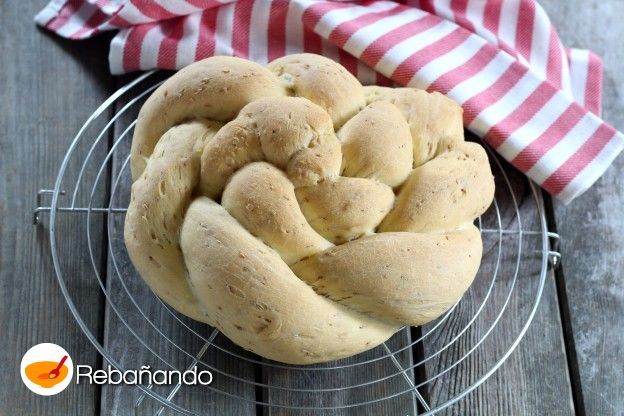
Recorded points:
(305, 216)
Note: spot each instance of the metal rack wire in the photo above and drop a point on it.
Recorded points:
(87, 206)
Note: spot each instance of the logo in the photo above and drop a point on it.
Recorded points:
(47, 369)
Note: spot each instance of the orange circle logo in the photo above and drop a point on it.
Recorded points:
(46, 369)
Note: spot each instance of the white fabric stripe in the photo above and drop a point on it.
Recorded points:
(508, 22)
(130, 13)
(330, 20)
(150, 47)
(49, 12)
(178, 7)
(115, 53)
(474, 11)
(404, 49)
(565, 148)
(223, 35)
(565, 72)
(294, 25)
(187, 46)
(540, 42)
(481, 80)
(104, 27)
(535, 126)
(477, 22)
(77, 20)
(593, 170)
(258, 32)
(579, 67)
(366, 35)
(419, 3)
(443, 9)
(499, 110)
(574, 69)
(523, 60)
(111, 7)
(447, 62)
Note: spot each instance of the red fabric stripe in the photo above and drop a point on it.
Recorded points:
(132, 47)
(474, 105)
(276, 40)
(472, 66)
(579, 160)
(312, 42)
(119, 21)
(524, 29)
(240, 28)
(529, 156)
(459, 8)
(408, 68)
(91, 24)
(204, 4)
(341, 33)
(378, 48)
(383, 80)
(207, 29)
(491, 16)
(508, 49)
(593, 84)
(427, 6)
(67, 11)
(560, 176)
(491, 22)
(152, 10)
(554, 64)
(348, 61)
(102, 3)
(521, 115)
(173, 31)
(311, 16)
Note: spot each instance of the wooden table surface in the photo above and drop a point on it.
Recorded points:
(571, 360)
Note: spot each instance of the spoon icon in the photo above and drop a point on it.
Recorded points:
(56, 372)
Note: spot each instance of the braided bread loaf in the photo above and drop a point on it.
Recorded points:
(305, 216)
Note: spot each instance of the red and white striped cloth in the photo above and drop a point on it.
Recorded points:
(533, 100)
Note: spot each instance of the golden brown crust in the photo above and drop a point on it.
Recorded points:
(444, 193)
(305, 216)
(341, 219)
(323, 82)
(258, 302)
(263, 200)
(215, 88)
(435, 121)
(156, 211)
(397, 289)
(377, 143)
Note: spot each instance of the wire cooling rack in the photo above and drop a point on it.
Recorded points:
(425, 368)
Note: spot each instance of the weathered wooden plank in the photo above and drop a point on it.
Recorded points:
(380, 382)
(35, 297)
(534, 378)
(159, 330)
(48, 89)
(592, 226)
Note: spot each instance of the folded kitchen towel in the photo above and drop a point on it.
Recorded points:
(534, 101)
